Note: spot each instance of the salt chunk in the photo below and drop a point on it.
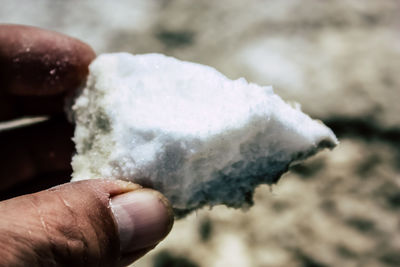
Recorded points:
(187, 130)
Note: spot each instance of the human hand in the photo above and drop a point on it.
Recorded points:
(88, 223)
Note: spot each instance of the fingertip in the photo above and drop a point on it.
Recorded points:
(129, 258)
(143, 218)
(36, 63)
(42, 62)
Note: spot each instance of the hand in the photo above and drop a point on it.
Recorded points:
(88, 223)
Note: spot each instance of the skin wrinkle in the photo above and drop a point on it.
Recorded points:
(51, 214)
(19, 247)
(97, 198)
(31, 241)
(93, 224)
(74, 251)
(55, 225)
(47, 234)
(81, 239)
(9, 249)
(55, 246)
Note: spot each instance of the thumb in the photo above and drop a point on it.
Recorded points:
(88, 223)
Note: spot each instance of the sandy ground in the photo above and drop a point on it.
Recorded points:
(339, 59)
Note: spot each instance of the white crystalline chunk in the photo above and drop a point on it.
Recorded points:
(187, 130)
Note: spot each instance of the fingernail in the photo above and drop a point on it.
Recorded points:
(144, 218)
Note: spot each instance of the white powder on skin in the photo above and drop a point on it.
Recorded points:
(187, 130)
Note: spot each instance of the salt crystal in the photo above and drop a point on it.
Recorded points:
(187, 130)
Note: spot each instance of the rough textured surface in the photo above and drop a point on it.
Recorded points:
(187, 130)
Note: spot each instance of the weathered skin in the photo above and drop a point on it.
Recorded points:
(27, 88)
(36, 63)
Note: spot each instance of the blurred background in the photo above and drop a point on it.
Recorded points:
(339, 59)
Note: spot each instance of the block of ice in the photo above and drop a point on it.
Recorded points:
(187, 130)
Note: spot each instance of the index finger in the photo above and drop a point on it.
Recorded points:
(38, 68)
